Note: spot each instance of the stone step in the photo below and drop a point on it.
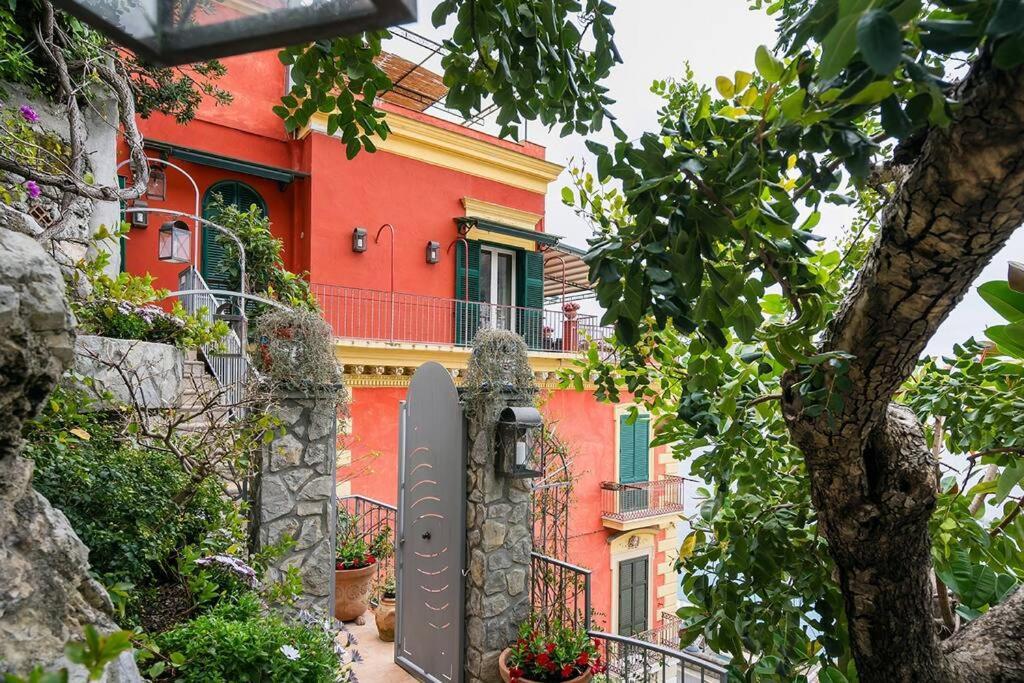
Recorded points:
(195, 368)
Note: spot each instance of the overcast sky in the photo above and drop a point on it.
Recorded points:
(716, 37)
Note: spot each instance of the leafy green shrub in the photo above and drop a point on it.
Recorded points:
(133, 508)
(235, 642)
(265, 273)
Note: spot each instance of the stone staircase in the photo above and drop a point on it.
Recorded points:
(199, 389)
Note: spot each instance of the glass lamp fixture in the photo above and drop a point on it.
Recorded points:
(172, 32)
(1016, 276)
(138, 219)
(520, 444)
(359, 240)
(157, 187)
(175, 243)
(433, 251)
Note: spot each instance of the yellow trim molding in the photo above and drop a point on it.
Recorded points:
(383, 364)
(506, 215)
(434, 145)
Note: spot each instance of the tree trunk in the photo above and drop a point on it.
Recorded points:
(873, 478)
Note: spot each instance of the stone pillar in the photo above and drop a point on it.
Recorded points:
(498, 525)
(296, 496)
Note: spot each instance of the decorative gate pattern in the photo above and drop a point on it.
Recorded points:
(431, 528)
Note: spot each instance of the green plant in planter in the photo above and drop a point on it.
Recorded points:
(550, 652)
(352, 549)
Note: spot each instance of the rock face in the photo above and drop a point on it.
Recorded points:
(152, 376)
(46, 594)
(296, 496)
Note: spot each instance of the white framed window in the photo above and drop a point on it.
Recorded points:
(497, 288)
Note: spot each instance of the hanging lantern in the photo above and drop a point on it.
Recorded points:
(359, 240)
(1016, 276)
(157, 187)
(139, 218)
(433, 252)
(172, 32)
(175, 242)
(520, 442)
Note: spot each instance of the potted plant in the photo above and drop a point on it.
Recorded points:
(353, 569)
(384, 609)
(550, 653)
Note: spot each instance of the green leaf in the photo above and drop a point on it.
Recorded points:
(725, 87)
(838, 47)
(1005, 301)
(767, 65)
(567, 195)
(1007, 19)
(880, 41)
(793, 105)
(1010, 52)
(1008, 479)
(1010, 338)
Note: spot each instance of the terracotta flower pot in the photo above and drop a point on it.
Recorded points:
(507, 677)
(384, 614)
(352, 592)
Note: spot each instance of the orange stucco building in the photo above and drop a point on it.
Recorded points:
(467, 247)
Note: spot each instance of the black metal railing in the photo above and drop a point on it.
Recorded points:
(376, 523)
(561, 591)
(639, 500)
(630, 660)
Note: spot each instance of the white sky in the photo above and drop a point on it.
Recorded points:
(655, 38)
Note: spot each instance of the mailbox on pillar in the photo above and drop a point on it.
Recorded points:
(520, 442)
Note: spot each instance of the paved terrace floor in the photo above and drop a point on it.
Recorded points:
(378, 658)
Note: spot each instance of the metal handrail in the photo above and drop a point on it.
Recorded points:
(660, 653)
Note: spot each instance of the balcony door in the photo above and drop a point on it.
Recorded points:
(634, 462)
(497, 288)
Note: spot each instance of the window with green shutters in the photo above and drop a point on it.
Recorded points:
(634, 461)
(633, 596)
(528, 294)
(211, 259)
(530, 297)
(467, 312)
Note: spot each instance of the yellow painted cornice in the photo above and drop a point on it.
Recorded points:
(506, 215)
(441, 147)
(382, 364)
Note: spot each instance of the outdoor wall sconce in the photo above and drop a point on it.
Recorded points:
(359, 240)
(433, 251)
(520, 443)
(172, 32)
(157, 187)
(139, 219)
(175, 242)
(1016, 276)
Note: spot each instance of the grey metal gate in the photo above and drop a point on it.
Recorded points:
(429, 636)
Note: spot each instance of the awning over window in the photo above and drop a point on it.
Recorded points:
(195, 156)
(566, 273)
(484, 225)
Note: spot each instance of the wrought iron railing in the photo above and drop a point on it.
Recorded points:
(228, 359)
(415, 318)
(561, 591)
(374, 520)
(639, 500)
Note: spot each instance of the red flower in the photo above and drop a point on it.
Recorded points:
(515, 672)
(550, 647)
(567, 671)
(543, 659)
(584, 658)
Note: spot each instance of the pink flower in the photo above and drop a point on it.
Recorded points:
(29, 114)
(32, 189)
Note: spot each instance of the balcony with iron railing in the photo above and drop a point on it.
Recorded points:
(400, 317)
(626, 506)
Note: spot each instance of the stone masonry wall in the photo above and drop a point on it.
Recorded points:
(297, 496)
(499, 543)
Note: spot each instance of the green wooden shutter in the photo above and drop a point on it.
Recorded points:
(642, 448)
(633, 596)
(627, 459)
(626, 598)
(213, 254)
(467, 315)
(530, 295)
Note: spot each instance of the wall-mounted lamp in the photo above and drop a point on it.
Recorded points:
(1016, 276)
(157, 187)
(520, 443)
(433, 251)
(175, 242)
(139, 219)
(359, 240)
